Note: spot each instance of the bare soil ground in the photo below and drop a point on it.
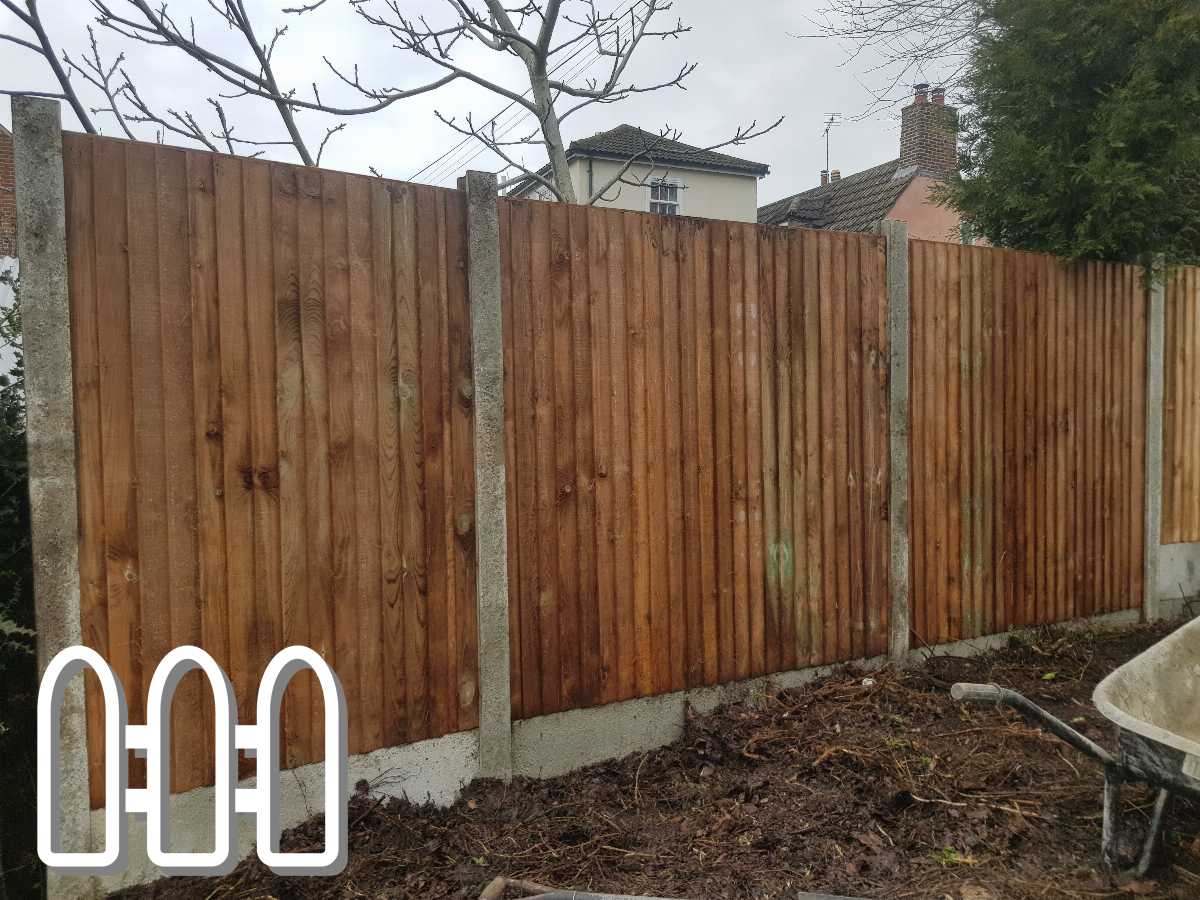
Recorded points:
(862, 784)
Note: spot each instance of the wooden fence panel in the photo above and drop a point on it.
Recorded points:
(272, 379)
(1028, 425)
(1181, 408)
(699, 425)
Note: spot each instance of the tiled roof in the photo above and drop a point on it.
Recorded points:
(625, 141)
(857, 202)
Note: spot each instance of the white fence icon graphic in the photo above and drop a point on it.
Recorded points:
(152, 740)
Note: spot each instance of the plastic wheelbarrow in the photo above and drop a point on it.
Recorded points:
(1152, 700)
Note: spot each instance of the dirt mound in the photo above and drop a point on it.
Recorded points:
(868, 784)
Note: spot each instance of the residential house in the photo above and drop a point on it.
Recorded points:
(668, 177)
(896, 189)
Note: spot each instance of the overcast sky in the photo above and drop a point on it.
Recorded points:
(755, 64)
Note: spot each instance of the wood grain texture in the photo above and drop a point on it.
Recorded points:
(685, 364)
(1031, 394)
(252, 440)
(1181, 407)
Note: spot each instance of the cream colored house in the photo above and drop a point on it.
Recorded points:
(668, 177)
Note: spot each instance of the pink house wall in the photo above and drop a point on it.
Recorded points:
(926, 219)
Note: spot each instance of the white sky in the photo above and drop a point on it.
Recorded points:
(754, 64)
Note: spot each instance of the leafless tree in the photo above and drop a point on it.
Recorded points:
(910, 39)
(541, 35)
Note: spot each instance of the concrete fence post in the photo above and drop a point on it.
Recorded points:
(50, 436)
(1155, 340)
(896, 235)
(491, 526)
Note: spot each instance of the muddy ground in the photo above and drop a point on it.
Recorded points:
(863, 784)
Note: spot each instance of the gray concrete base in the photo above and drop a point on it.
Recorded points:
(436, 770)
(1178, 575)
(431, 771)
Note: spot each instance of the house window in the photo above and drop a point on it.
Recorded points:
(664, 198)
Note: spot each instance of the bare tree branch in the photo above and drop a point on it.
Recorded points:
(95, 72)
(909, 37)
(543, 35)
(31, 17)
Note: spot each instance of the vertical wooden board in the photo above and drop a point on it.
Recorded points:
(237, 473)
(1094, 328)
(1191, 337)
(787, 543)
(1070, 440)
(461, 472)
(653, 460)
(561, 452)
(1031, 370)
(975, 615)
(991, 404)
(1140, 300)
(1043, 530)
(638, 336)
(768, 442)
(208, 423)
(1009, 461)
(918, 447)
(738, 428)
(264, 442)
(513, 547)
(935, 442)
(447, 618)
(723, 449)
(110, 198)
(345, 594)
(876, 481)
(317, 485)
(1134, 467)
(967, 462)
(89, 456)
(145, 337)
(414, 338)
(1120, 480)
(831, 548)
(754, 450)
(692, 600)
(708, 523)
(767, 475)
(1181, 359)
(544, 398)
(956, 433)
(624, 524)
(596, 310)
(389, 451)
(844, 555)
(1057, 499)
(584, 346)
(1106, 350)
(174, 310)
(855, 547)
(673, 453)
(362, 231)
(808, 297)
(430, 314)
(525, 462)
(292, 458)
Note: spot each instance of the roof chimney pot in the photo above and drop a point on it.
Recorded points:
(920, 93)
(939, 96)
(824, 177)
(835, 175)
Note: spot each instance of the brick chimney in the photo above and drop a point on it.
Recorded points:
(929, 133)
(8, 197)
(824, 177)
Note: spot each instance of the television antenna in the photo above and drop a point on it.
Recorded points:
(832, 120)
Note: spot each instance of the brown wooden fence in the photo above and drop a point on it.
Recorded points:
(1027, 439)
(274, 417)
(272, 449)
(698, 427)
(1181, 408)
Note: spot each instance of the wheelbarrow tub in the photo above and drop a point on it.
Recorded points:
(1154, 695)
